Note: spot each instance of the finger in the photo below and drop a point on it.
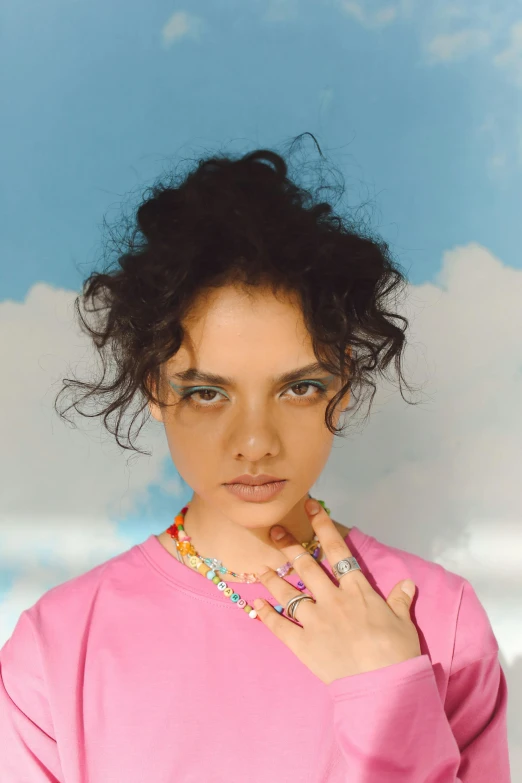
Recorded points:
(334, 546)
(311, 573)
(280, 626)
(283, 591)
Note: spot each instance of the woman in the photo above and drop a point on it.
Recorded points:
(243, 320)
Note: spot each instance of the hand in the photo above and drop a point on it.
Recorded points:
(350, 629)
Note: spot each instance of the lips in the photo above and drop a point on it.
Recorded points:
(260, 478)
(256, 493)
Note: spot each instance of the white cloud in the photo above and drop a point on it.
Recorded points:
(452, 11)
(326, 97)
(378, 17)
(181, 25)
(448, 47)
(498, 135)
(440, 479)
(62, 489)
(510, 58)
(497, 165)
(281, 10)
(451, 31)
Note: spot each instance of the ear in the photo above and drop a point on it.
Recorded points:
(155, 411)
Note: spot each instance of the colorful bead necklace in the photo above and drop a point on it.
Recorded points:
(211, 568)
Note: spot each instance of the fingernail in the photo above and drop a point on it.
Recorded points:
(408, 588)
(258, 603)
(277, 532)
(312, 506)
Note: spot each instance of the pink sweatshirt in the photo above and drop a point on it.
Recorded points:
(141, 671)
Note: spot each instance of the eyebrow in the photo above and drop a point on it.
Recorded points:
(193, 374)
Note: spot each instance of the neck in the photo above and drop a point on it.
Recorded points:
(242, 548)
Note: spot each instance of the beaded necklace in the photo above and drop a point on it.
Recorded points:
(211, 567)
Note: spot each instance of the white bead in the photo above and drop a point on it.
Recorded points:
(253, 614)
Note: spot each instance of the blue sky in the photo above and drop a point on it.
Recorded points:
(99, 97)
(419, 106)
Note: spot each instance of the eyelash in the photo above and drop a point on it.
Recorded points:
(188, 395)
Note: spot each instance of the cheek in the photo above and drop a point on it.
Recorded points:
(193, 457)
(185, 446)
(310, 442)
(322, 446)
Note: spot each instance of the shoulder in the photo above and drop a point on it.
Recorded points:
(65, 610)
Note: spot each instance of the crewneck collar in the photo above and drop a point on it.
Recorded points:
(185, 578)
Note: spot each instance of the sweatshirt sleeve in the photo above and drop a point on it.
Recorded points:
(28, 750)
(392, 724)
(395, 728)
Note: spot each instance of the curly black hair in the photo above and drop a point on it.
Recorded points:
(236, 220)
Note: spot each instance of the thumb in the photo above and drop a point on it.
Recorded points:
(401, 597)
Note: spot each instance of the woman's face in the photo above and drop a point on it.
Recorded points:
(254, 423)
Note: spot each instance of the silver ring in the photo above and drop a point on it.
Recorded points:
(301, 555)
(344, 566)
(293, 603)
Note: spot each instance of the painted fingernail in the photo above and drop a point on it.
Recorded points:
(277, 532)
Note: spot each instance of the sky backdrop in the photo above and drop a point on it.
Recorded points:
(419, 106)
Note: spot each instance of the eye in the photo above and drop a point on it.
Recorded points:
(320, 391)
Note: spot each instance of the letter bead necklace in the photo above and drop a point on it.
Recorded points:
(211, 568)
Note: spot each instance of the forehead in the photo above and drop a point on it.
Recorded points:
(235, 316)
(237, 301)
(232, 333)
